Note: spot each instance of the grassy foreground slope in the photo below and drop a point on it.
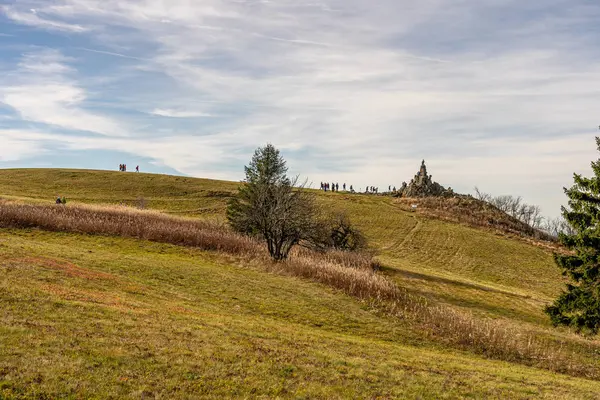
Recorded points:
(480, 271)
(102, 317)
(484, 272)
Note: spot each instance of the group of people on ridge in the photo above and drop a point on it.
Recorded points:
(334, 187)
(375, 190)
(60, 200)
(123, 168)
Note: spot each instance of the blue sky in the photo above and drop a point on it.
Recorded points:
(501, 94)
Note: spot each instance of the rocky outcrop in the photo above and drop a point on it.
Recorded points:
(422, 185)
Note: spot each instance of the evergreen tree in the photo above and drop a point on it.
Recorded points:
(267, 167)
(579, 305)
(270, 205)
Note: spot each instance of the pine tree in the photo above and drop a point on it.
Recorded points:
(579, 305)
(267, 167)
(270, 205)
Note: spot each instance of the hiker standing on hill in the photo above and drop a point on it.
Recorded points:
(137, 168)
(337, 187)
(58, 201)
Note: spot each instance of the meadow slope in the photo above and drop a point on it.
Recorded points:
(488, 273)
(103, 317)
(133, 318)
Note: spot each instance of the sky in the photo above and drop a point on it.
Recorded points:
(499, 94)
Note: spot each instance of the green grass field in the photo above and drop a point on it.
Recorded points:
(105, 317)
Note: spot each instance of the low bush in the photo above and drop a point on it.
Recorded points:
(336, 232)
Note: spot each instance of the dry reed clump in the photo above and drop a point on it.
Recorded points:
(127, 222)
(499, 340)
(363, 283)
(352, 259)
(352, 273)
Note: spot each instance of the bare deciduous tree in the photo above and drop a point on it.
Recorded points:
(515, 207)
(479, 195)
(556, 226)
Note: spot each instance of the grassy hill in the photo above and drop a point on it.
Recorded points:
(90, 316)
(173, 194)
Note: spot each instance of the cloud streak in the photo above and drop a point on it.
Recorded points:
(178, 114)
(39, 90)
(31, 17)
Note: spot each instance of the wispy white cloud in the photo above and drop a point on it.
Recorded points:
(112, 53)
(178, 114)
(18, 149)
(31, 17)
(39, 90)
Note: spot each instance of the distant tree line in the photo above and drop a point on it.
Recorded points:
(529, 214)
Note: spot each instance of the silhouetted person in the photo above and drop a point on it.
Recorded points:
(337, 187)
(137, 168)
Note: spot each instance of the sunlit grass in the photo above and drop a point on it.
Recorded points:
(100, 317)
(485, 273)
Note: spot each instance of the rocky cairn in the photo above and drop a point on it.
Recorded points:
(422, 185)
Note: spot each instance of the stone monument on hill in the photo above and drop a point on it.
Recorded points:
(422, 185)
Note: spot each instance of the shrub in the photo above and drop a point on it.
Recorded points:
(336, 232)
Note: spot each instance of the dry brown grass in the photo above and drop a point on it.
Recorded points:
(127, 222)
(351, 273)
